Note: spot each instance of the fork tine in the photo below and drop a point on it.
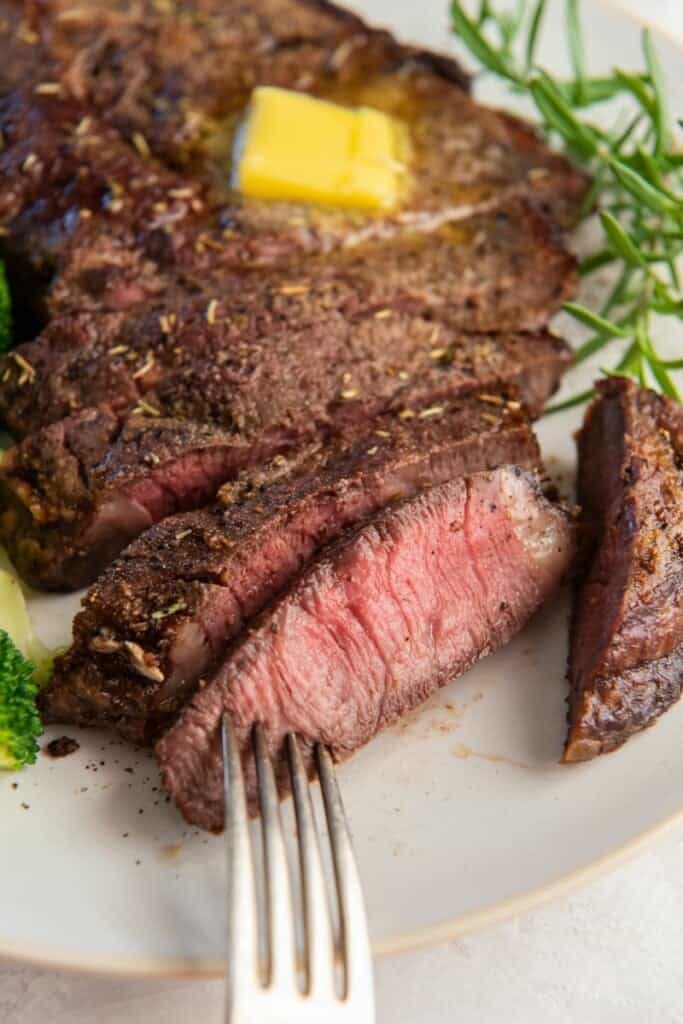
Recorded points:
(242, 938)
(318, 938)
(355, 943)
(280, 922)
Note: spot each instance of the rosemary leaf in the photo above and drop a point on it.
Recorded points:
(559, 116)
(661, 118)
(636, 170)
(534, 31)
(596, 261)
(576, 49)
(590, 347)
(593, 320)
(598, 90)
(476, 42)
(627, 363)
(637, 85)
(644, 192)
(668, 307)
(620, 241)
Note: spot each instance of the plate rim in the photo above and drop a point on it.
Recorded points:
(420, 938)
(49, 957)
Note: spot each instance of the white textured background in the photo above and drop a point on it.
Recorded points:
(610, 954)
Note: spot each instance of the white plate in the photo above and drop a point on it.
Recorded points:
(460, 814)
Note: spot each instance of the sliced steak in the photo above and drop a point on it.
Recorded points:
(278, 355)
(73, 494)
(368, 632)
(165, 611)
(61, 158)
(115, 164)
(76, 493)
(626, 653)
(98, 124)
(169, 73)
(179, 80)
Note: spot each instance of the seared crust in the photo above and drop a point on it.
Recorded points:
(304, 336)
(115, 169)
(255, 327)
(626, 657)
(76, 492)
(171, 604)
(385, 616)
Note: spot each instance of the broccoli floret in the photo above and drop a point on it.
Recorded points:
(19, 720)
(5, 312)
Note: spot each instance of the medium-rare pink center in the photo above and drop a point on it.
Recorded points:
(384, 618)
(183, 483)
(414, 597)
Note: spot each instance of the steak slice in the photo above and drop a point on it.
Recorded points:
(115, 164)
(169, 73)
(76, 493)
(96, 169)
(269, 347)
(368, 632)
(105, 62)
(180, 80)
(626, 651)
(162, 614)
(73, 494)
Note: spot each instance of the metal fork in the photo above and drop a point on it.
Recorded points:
(293, 984)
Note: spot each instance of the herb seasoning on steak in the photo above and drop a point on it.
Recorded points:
(75, 493)
(626, 652)
(162, 614)
(119, 224)
(127, 111)
(386, 616)
(257, 344)
(176, 334)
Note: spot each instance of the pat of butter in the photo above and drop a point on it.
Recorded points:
(294, 146)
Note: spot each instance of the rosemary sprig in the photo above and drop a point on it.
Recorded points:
(636, 170)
